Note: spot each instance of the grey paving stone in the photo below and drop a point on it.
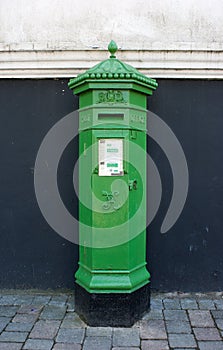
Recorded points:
(181, 340)
(137, 324)
(58, 300)
(3, 322)
(189, 304)
(70, 335)
(63, 346)
(45, 329)
(72, 320)
(219, 323)
(217, 314)
(128, 348)
(201, 318)
(206, 334)
(24, 300)
(178, 327)
(153, 315)
(38, 344)
(99, 332)
(52, 312)
(70, 304)
(156, 304)
(219, 304)
(8, 300)
(24, 318)
(19, 327)
(219, 294)
(211, 345)
(158, 296)
(16, 337)
(8, 311)
(154, 345)
(41, 299)
(175, 315)
(126, 337)
(96, 343)
(12, 346)
(172, 304)
(30, 309)
(206, 304)
(153, 329)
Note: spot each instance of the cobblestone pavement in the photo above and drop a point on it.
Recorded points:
(44, 321)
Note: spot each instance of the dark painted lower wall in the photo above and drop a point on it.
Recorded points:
(187, 258)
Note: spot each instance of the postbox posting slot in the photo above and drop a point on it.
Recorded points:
(111, 116)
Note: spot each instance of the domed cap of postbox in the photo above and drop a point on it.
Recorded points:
(112, 71)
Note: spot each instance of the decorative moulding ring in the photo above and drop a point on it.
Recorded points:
(196, 64)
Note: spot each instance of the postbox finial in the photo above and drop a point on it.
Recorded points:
(112, 48)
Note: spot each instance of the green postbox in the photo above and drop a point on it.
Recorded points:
(112, 282)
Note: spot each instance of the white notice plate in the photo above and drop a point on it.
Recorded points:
(110, 155)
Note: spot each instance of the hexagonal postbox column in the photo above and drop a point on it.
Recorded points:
(112, 282)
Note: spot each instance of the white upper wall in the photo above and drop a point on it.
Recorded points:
(142, 24)
(163, 31)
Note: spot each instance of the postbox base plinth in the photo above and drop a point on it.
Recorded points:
(112, 309)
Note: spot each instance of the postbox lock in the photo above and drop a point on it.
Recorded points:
(132, 185)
